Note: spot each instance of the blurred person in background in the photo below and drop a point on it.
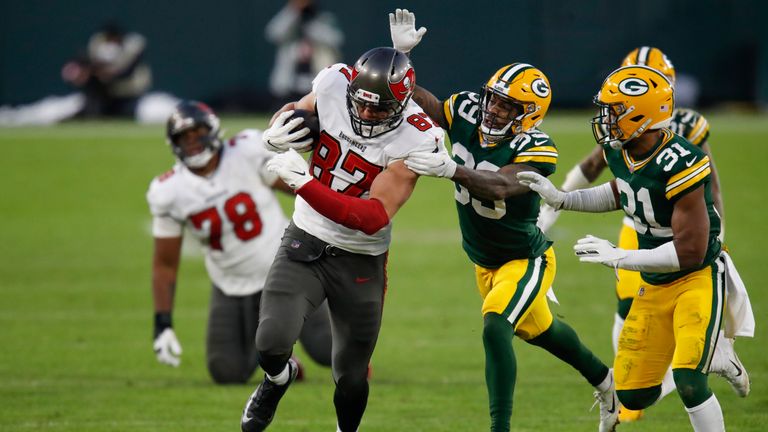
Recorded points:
(223, 194)
(112, 74)
(308, 40)
(112, 80)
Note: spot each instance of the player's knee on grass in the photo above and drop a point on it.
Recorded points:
(638, 399)
(691, 386)
(232, 370)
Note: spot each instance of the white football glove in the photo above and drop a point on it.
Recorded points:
(591, 249)
(541, 185)
(547, 217)
(402, 28)
(167, 348)
(279, 138)
(291, 167)
(438, 164)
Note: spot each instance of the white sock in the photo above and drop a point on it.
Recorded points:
(338, 429)
(607, 382)
(282, 377)
(667, 384)
(618, 324)
(707, 417)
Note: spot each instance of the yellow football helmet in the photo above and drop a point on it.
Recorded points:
(514, 100)
(631, 101)
(653, 58)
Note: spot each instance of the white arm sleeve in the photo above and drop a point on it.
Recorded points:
(575, 179)
(166, 226)
(594, 200)
(662, 259)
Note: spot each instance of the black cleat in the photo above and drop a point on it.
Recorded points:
(261, 406)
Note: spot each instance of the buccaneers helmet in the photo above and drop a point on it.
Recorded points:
(653, 58)
(517, 85)
(382, 83)
(189, 115)
(631, 101)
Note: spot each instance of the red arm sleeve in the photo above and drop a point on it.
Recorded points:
(366, 215)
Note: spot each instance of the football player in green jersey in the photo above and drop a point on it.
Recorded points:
(692, 126)
(663, 183)
(494, 135)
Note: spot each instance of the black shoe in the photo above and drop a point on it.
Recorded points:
(261, 406)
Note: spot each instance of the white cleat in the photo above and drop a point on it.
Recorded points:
(609, 407)
(726, 364)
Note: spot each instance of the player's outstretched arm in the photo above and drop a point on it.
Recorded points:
(598, 199)
(490, 185)
(165, 266)
(431, 105)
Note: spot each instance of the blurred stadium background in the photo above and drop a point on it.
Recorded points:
(75, 304)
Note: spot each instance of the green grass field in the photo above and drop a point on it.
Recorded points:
(76, 313)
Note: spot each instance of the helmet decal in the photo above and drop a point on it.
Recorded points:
(403, 88)
(540, 87)
(633, 86)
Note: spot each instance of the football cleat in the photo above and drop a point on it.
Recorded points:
(609, 407)
(261, 406)
(726, 364)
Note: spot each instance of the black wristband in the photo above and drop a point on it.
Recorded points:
(162, 322)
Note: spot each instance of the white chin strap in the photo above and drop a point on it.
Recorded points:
(199, 160)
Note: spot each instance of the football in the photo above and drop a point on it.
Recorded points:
(310, 120)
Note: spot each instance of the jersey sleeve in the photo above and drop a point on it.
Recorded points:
(689, 178)
(249, 143)
(699, 131)
(465, 100)
(160, 200)
(330, 76)
(537, 150)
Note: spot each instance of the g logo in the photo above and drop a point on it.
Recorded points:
(633, 86)
(540, 87)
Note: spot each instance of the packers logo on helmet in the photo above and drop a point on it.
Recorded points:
(514, 100)
(631, 101)
(653, 58)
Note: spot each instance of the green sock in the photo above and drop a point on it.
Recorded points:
(500, 369)
(561, 340)
(691, 386)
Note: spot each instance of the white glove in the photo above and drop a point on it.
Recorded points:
(291, 167)
(438, 164)
(547, 217)
(167, 348)
(279, 138)
(541, 185)
(591, 249)
(402, 28)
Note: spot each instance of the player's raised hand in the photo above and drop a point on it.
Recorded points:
(438, 164)
(283, 134)
(291, 167)
(402, 28)
(167, 348)
(541, 185)
(591, 249)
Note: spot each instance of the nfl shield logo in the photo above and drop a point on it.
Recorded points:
(641, 292)
(295, 244)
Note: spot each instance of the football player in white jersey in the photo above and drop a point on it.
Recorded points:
(223, 193)
(336, 246)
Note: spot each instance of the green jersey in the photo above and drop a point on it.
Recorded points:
(496, 232)
(650, 187)
(691, 125)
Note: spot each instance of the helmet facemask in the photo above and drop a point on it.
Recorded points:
(189, 117)
(387, 114)
(607, 124)
(495, 128)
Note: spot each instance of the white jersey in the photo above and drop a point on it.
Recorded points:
(348, 163)
(233, 213)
